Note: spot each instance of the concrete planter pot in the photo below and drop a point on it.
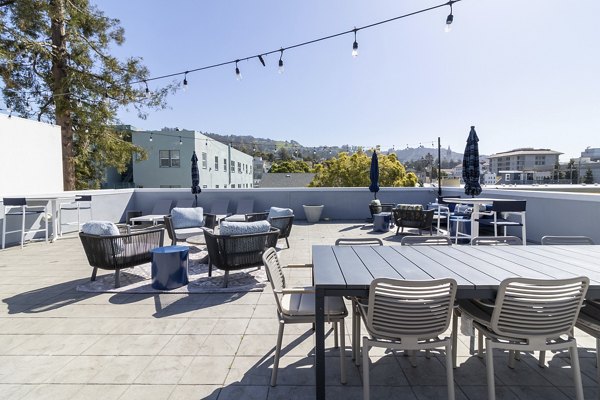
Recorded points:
(313, 213)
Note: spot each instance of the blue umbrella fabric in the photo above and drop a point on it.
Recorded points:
(470, 171)
(195, 179)
(374, 174)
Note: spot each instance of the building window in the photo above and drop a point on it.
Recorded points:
(204, 186)
(170, 186)
(169, 158)
(232, 166)
(239, 167)
(204, 160)
(216, 163)
(540, 160)
(225, 186)
(225, 165)
(216, 186)
(239, 185)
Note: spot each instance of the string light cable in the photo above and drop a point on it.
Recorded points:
(261, 55)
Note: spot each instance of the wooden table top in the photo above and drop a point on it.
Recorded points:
(478, 270)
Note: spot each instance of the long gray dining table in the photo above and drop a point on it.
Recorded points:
(478, 270)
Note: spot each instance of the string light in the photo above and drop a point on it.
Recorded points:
(151, 137)
(180, 142)
(309, 42)
(449, 19)
(280, 69)
(238, 74)
(185, 82)
(262, 61)
(355, 46)
(261, 55)
(147, 90)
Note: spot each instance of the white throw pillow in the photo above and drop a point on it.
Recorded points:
(279, 212)
(228, 228)
(103, 228)
(187, 217)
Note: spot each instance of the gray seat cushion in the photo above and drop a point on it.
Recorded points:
(303, 304)
(184, 233)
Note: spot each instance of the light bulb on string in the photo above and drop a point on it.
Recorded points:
(147, 90)
(281, 69)
(150, 137)
(449, 20)
(180, 142)
(355, 45)
(238, 74)
(185, 82)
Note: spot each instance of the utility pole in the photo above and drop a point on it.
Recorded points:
(439, 167)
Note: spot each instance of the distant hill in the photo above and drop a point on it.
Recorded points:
(250, 144)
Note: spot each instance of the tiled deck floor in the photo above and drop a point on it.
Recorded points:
(57, 343)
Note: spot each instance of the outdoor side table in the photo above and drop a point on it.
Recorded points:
(381, 221)
(169, 267)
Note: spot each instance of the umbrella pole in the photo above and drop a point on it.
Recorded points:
(196, 200)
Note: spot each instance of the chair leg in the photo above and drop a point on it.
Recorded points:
(342, 352)
(287, 243)
(598, 364)
(365, 361)
(277, 354)
(511, 359)
(23, 228)
(576, 371)
(225, 279)
(542, 360)
(94, 272)
(489, 366)
(335, 335)
(450, 371)
(480, 344)
(454, 337)
(117, 280)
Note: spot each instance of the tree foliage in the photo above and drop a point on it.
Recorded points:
(55, 66)
(589, 176)
(293, 166)
(353, 171)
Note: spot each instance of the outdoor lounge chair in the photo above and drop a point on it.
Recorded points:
(280, 218)
(244, 206)
(530, 315)
(297, 305)
(413, 216)
(116, 252)
(568, 240)
(160, 209)
(235, 252)
(181, 233)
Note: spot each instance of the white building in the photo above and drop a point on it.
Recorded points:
(535, 164)
(169, 161)
(30, 157)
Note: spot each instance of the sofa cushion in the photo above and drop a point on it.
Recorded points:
(418, 207)
(102, 228)
(279, 212)
(228, 228)
(184, 233)
(187, 217)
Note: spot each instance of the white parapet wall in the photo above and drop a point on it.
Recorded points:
(30, 157)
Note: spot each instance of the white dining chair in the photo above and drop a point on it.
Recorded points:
(530, 315)
(297, 306)
(408, 315)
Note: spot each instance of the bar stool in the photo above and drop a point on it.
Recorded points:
(83, 202)
(458, 220)
(18, 206)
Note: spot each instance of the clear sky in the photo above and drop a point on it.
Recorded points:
(525, 73)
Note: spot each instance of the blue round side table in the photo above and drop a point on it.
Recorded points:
(169, 267)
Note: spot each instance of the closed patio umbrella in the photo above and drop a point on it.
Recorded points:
(374, 174)
(195, 179)
(470, 172)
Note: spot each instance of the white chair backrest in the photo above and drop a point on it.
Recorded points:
(162, 207)
(558, 240)
(532, 307)
(426, 240)
(496, 240)
(274, 273)
(419, 309)
(220, 207)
